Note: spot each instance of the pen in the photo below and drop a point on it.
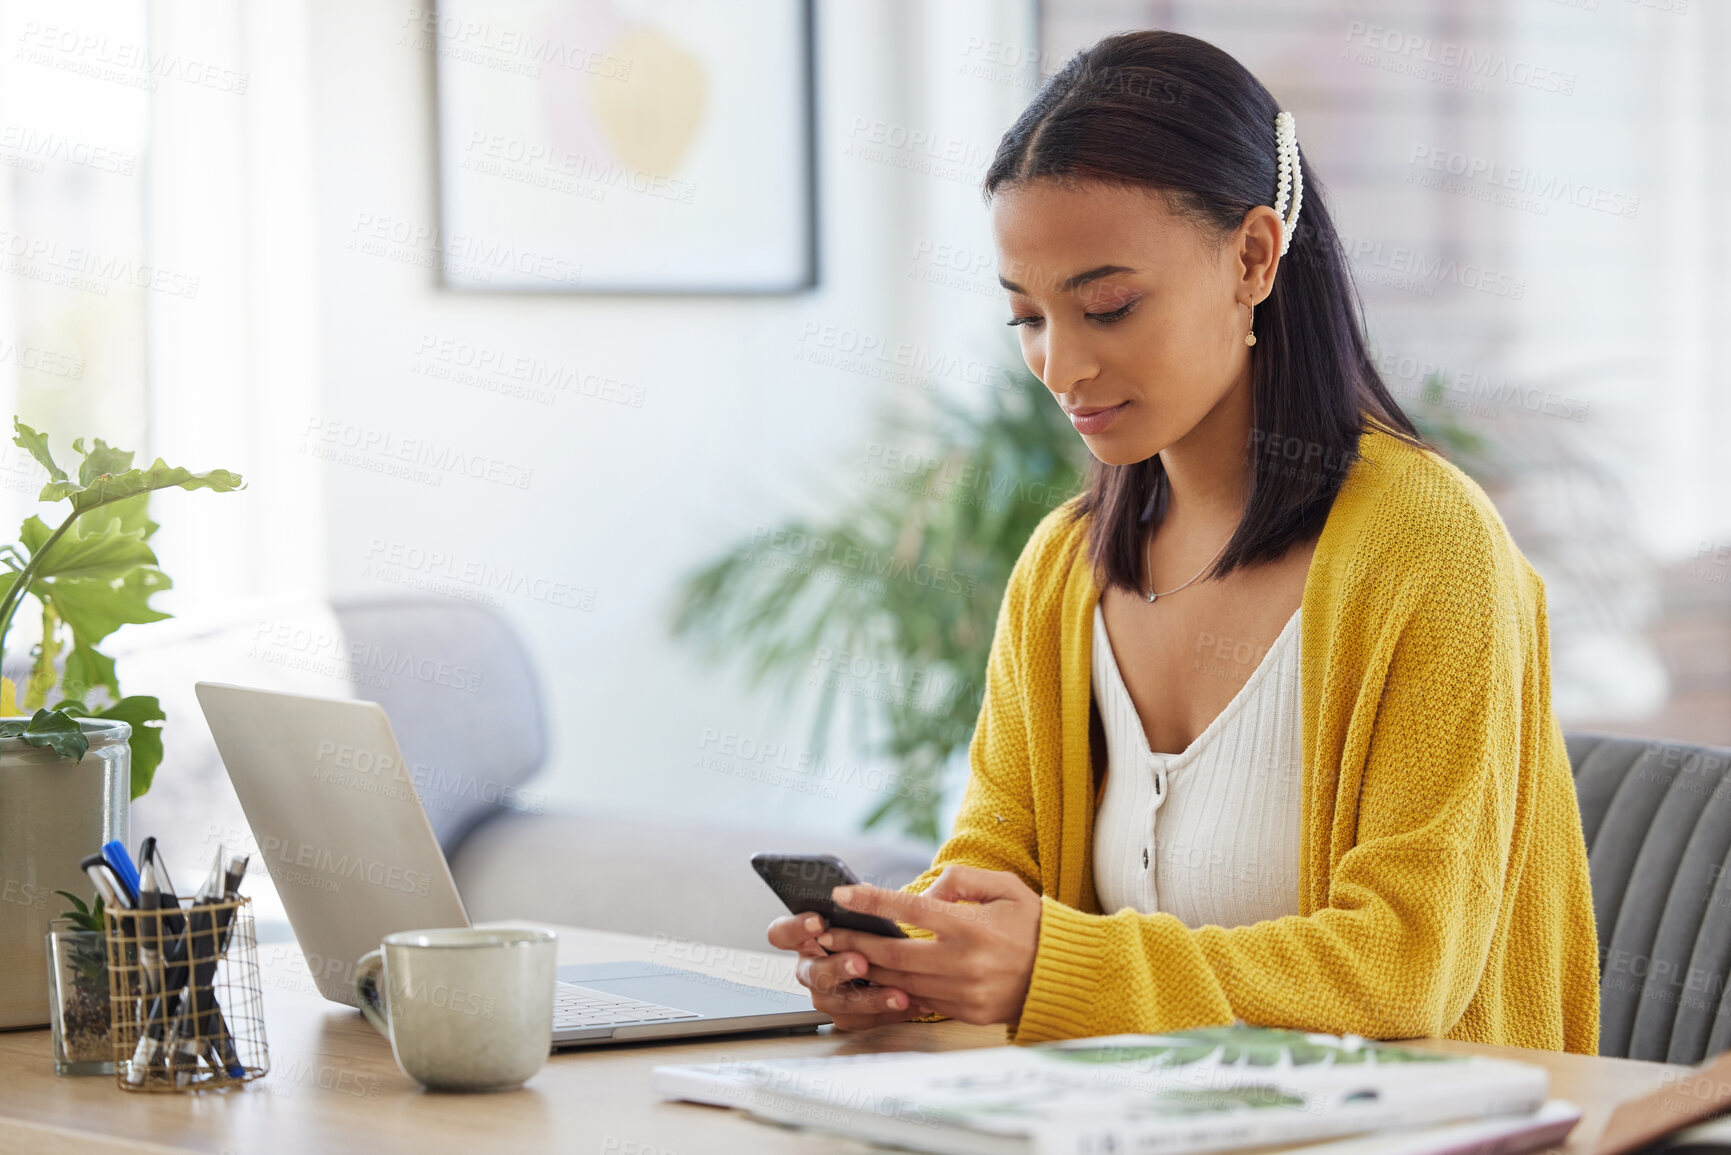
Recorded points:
(208, 931)
(115, 855)
(113, 892)
(233, 875)
(173, 922)
(231, 880)
(102, 877)
(203, 947)
(150, 970)
(176, 1011)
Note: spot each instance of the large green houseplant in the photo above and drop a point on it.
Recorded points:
(894, 614)
(61, 739)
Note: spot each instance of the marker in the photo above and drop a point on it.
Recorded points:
(121, 863)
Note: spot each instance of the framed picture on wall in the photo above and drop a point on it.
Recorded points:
(624, 146)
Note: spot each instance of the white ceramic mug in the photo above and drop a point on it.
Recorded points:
(465, 1009)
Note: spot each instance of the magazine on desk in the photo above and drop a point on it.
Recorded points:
(1208, 1089)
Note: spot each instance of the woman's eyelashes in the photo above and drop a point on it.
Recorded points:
(1117, 314)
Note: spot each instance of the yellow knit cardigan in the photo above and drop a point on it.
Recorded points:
(1442, 883)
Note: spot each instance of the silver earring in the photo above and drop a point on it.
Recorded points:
(1250, 337)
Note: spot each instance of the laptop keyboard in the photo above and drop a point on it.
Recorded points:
(575, 1006)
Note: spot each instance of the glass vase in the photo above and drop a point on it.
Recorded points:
(78, 1012)
(53, 812)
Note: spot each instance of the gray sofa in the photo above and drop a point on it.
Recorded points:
(467, 710)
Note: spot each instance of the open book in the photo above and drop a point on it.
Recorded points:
(1208, 1089)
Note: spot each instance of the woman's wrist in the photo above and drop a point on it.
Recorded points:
(1068, 956)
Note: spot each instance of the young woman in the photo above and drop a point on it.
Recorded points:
(1267, 732)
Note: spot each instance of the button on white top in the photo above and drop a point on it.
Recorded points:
(1209, 834)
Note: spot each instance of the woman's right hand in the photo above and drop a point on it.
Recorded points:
(832, 991)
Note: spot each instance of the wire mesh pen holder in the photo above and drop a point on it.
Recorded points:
(206, 1029)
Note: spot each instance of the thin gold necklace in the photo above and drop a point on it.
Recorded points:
(1149, 551)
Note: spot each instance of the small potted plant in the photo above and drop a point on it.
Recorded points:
(78, 989)
(68, 770)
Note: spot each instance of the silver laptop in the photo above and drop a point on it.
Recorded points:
(334, 811)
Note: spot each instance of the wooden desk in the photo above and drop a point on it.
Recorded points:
(335, 1087)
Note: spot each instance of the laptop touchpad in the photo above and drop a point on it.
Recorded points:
(685, 991)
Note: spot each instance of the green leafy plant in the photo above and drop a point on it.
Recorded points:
(53, 729)
(904, 580)
(89, 575)
(82, 1013)
(88, 957)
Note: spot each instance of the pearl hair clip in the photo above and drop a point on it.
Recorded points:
(1291, 178)
(1291, 181)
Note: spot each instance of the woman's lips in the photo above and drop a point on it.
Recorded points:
(1094, 421)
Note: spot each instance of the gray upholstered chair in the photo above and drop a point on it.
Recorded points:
(1657, 820)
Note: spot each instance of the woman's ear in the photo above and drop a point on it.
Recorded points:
(1256, 253)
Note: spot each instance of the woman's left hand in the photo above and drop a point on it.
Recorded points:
(977, 969)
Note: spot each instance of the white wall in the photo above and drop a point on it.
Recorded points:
(735, 429)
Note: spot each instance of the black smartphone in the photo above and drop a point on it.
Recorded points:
(803, 882)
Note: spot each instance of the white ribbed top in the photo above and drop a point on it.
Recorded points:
(1210, 834)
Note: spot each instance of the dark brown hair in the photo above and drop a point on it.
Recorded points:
(1169, 112)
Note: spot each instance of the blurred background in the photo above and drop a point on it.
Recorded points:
(666, 335)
